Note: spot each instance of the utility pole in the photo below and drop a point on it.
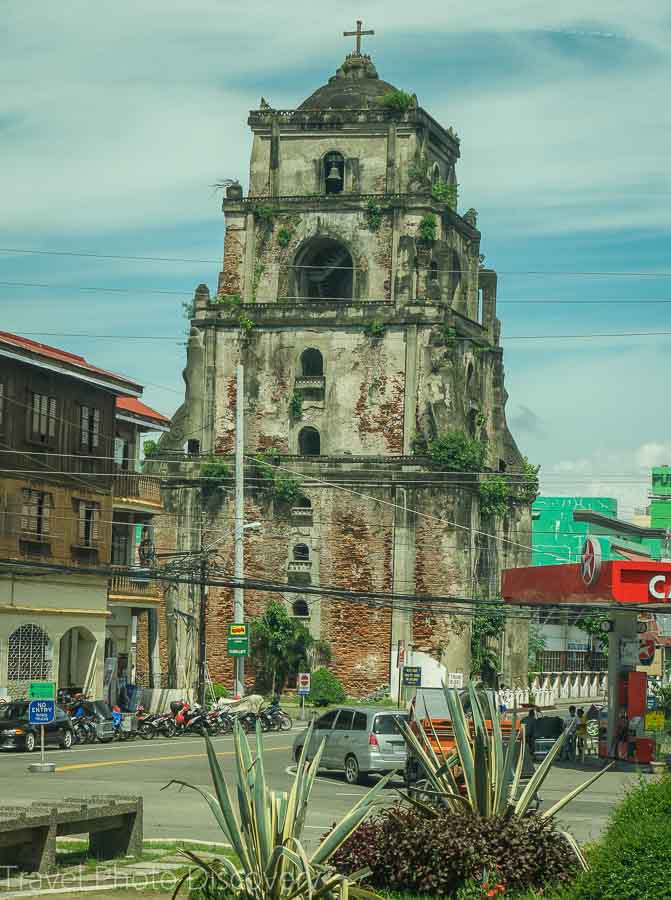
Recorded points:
(238, 596)
(202, 626)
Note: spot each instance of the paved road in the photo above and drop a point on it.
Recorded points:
(145, 767)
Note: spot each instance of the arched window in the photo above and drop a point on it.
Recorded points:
(473, 422)
(301, 553)
(301, 609)
(324, 271)
(303, 503)
(502, 465)
(309, 443)
(334, 172)
(435, 174)
(312, 362)
(29, 654)
(433, 272)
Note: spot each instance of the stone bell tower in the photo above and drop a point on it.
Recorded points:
(353, 292)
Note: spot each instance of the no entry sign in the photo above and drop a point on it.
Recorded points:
(303, 684)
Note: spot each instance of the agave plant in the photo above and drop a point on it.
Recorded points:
(489, 768)
(265, 833)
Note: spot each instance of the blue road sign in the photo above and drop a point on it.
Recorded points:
(41, 712)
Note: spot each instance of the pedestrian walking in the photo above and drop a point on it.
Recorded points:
(570, 723)
(581, 733)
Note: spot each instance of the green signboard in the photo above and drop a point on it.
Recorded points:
(42, 690)
(238, 640)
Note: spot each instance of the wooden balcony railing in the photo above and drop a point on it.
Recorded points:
(134, 586)
(137, 487)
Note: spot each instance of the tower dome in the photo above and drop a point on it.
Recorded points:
(355, 85)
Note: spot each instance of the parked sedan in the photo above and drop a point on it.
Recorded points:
(359, 741)
(16, 732)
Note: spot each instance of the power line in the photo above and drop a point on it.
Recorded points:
(532, 272)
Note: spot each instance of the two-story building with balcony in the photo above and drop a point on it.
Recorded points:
(69, 449)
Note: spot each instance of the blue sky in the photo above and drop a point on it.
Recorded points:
(116, 119)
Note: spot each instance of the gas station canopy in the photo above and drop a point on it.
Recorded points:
(646, 583)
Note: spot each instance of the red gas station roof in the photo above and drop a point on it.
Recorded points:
(638, 582)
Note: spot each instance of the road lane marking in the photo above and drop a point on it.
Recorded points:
(153, 759)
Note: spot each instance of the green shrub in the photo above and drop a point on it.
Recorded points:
(150, 449)
(494, 496)
(325, 688)
(455, 451)
(214, 469)
(219, 691)
(399, 101)
(428, 228)
(410, 853)
(633, 860)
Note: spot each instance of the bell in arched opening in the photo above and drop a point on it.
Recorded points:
(334, 173)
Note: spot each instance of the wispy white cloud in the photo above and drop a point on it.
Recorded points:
(121, 114)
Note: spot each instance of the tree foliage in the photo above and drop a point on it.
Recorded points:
(280, 645)
(488, 624)
(595, 626)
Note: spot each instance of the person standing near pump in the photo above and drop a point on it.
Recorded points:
(581, 733)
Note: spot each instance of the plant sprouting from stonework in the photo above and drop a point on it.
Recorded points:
(214, 470)
(373, 215)
(283, 487)
(264, 215)
(398, 101)
(296, 405)
(259, 269)
(455, 451)
(189, 309)
(445, 192)
(374, 329)
(528, 485)
(284, 236)
(494, 496)
(428, 229)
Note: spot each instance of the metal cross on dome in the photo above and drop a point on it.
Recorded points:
(358, 34)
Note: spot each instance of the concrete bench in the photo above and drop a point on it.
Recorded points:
(28, 833)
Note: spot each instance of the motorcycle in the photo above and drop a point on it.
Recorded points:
(274, 718)
(191, 720)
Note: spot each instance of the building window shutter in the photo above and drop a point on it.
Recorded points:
(95, 428)
(35, 425)
(52, 417)
(47, 501)
(82, 522)
(95, 520)
(84, 425)
(25, 510)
